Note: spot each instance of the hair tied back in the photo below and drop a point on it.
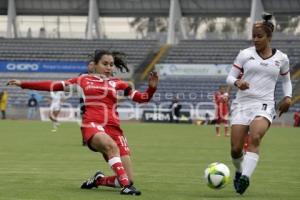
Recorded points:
(266, 16)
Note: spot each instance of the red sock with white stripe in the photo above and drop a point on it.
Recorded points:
(117, 166)
(109, 181)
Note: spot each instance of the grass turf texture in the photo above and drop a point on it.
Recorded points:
(169, 162)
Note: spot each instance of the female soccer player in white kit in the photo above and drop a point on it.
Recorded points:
(254, 107)
(55, 108)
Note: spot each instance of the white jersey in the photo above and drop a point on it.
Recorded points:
(261, 74)
(56, 100)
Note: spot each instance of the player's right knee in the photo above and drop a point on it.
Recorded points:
(255, 140)
(111, 149)
(236, 152)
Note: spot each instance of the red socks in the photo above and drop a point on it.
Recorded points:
(109, 181)
(117, 166)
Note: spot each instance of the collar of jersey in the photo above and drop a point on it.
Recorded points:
(273, 53)
(101, 76)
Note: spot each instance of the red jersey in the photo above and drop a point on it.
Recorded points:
(221, 104)
(100, 96)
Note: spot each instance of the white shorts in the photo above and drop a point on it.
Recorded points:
(55, 107)
(244, 114)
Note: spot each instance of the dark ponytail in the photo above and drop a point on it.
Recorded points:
(120, 61)
(267, 25)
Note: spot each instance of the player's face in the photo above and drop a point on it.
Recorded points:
(105, 65)
(222, 90)
(260, 39)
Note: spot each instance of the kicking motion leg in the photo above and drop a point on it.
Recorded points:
(258, 128)
(238, 134)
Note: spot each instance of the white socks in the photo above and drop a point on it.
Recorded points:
(249, 163)
(246, 164)
(237, 162)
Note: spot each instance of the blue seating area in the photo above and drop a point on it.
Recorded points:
(72, 49)
(222, 51)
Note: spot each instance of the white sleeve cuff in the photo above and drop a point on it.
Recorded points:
(232, 76)
(287, 85)
(132, 94)
(231, 80)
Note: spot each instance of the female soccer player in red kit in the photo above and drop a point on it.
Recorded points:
(100, 125)
(221, 99)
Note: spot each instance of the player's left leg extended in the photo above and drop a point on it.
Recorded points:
(53, 117)
(258, 129)
(226, 127)
(238, 134)
(112, 181)
(217, 127)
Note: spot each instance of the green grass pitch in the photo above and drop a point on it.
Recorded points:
(169, 162)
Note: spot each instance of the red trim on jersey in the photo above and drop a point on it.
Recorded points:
(44, 85)
(285, 73)
(236, 66)
(142, 97)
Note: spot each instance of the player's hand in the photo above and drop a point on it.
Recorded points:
(225, 97)
(242, 85)
(153, 79)
(14, 82)
(284, 105)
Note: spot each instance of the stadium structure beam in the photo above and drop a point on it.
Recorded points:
(150, 8)
(93, 20)
(11, 30)
(257, 9)
(175, 19)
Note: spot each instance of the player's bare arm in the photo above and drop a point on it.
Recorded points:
(284, 105)
(153, 79)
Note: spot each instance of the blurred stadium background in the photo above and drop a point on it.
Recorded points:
(192, 43)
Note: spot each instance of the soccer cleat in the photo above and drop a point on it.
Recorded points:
(236, 179)
(242, 184)
(91, 183)
(130, 190)
(55, 127)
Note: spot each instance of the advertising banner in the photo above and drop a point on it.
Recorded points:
(43, 66)
(193, 69)
(164, 116)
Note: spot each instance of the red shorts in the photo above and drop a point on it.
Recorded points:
(222, 117)
(221, 121)
(115, 132)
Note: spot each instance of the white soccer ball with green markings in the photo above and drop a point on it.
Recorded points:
(217, 175)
